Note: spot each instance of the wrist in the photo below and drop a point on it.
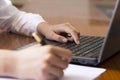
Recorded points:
(41, 27)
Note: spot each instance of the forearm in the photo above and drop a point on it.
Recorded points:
(25, 23)
(7, 63)
(14, 20)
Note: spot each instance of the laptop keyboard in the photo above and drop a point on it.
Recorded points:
(89, 46)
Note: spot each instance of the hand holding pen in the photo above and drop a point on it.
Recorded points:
(54, 60)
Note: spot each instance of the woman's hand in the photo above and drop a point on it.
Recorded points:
(41, 63)
(52, 32)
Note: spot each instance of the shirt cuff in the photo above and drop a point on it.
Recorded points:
(33, 24)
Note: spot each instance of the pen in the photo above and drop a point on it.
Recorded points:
(38, 38)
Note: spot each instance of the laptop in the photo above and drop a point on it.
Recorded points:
(93, 49)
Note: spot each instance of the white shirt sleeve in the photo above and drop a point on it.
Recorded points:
(14, 20)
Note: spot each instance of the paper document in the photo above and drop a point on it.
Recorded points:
(77, 72)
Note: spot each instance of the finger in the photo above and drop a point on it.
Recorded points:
(74, 33)
(47, 76)
(74, 29)
(57, 61)
(66, 25)
(57, 37)
(75, 37)
(53, 70)
(67, 35)
(70, 39)
(62, 53)
(57, 72)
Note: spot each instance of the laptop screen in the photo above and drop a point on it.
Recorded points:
(112, 40)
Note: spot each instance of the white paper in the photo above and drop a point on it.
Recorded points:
(77, 72)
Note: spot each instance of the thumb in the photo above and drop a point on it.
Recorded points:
(58, 37)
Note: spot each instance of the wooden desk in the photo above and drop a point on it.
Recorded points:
(83, 14)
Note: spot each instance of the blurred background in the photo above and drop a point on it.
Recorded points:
(82, 14)
(86, 15)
